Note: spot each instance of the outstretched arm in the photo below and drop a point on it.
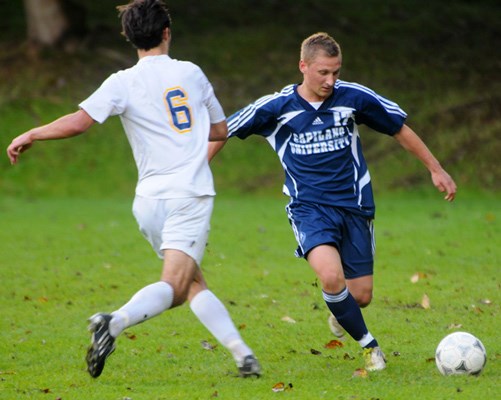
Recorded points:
(410, 141)
(64, 127)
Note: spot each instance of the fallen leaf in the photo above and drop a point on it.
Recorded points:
(278, 387)
(347, 356)
(130, 335)
(206, 345)
(242, 326)
(477, 309)
(425, 302)
(334, 344)
(417, 276)
(454, 326)
(288, 319)
(315, 352)
(360, 373)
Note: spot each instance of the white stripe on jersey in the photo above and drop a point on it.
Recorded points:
(364, 181)
(248, 112)
(283, 119)
(389, 105)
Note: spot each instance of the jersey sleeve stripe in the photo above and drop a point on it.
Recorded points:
(248, 113)
(390, 106)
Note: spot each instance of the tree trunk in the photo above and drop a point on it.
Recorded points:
(46, 21)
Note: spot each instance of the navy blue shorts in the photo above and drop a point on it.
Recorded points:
(351, 234)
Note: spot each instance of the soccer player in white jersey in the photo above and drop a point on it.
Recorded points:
(169, 112)
(313, 128)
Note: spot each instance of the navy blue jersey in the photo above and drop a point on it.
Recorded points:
(320, 149)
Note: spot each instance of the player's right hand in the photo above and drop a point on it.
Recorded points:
(19, 145)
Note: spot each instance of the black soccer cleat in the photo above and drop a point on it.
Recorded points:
(250, 366)
(103, 344)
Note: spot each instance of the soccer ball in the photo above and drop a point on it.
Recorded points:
(460, 353)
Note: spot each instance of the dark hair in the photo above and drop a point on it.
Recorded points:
(143, 22)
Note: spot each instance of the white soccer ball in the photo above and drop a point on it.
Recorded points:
(460, 353)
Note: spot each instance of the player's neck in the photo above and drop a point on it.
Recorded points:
(309, 95)
(163, 49)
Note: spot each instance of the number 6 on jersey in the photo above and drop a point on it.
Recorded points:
(178, 109)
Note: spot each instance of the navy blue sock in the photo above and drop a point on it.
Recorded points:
(347, 312)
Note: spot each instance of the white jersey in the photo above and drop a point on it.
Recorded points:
(166, 107)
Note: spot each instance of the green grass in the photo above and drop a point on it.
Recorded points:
(64, 259)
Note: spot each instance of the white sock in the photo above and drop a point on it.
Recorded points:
(148, 302)
(366, 339)
(213, 315)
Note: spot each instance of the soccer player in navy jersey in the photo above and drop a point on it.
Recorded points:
(313, 127)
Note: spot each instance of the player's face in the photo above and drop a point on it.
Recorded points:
(319, 76)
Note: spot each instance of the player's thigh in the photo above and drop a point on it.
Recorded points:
(187, 228)
(358, 246)
(150, 216)
(314, 225)
(326, 262)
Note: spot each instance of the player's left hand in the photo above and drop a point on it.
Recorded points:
(445, 184)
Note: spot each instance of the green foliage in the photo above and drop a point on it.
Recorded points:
(439, 62)
(64, 259)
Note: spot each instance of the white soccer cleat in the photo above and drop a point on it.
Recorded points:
(374, 359)
(336, 328)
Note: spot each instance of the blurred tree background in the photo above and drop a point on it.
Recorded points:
(439, 60)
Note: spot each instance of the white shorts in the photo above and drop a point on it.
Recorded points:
(179, 224)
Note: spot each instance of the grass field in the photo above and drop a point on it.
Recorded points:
(64, 259)
(69, 249)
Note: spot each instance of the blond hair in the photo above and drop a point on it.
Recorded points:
(319, 41)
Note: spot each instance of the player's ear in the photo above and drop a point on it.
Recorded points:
(302, 66)
(166, 34)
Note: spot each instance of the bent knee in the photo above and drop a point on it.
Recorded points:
(363, 299)
(332, 282)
